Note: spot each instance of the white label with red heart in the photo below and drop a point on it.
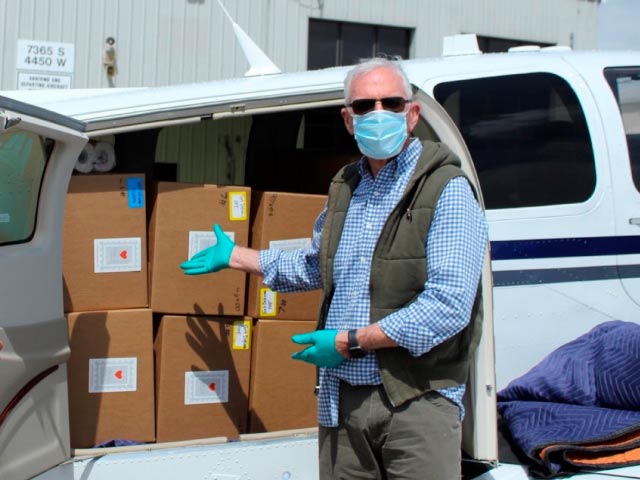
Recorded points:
(206, 387)
(113, 375)
(117, 255)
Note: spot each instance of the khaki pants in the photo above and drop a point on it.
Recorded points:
(418, 440)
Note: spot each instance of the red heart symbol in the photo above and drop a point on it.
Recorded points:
(118, 374)
(123, 254)
(212, 386)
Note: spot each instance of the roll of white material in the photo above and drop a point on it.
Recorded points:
(105, 157)
(86, 159)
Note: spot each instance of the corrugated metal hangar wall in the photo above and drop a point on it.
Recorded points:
(64, 43)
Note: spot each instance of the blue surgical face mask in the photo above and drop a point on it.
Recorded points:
(380, 134)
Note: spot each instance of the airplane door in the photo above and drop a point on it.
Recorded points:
(36, 160)
(624, 153)
(479, 429)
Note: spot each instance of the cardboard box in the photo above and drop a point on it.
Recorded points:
(181, 225)
(285, 221)
(110, 373)
(202, 377)
(104, 247)
(281, 392)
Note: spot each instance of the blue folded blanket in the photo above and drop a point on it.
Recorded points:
(580, 407)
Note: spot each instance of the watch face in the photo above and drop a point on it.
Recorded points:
(357, 352)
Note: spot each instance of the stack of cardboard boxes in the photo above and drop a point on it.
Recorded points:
(221, 345)
(282, 221)
(202, 350)
(110, 325)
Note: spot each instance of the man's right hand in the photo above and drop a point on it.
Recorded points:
(211, 259)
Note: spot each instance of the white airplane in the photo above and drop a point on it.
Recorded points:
(549, 136)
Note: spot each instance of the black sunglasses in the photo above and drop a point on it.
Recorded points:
(365, 105)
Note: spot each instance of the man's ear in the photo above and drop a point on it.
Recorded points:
(348, 120)
(413, 115)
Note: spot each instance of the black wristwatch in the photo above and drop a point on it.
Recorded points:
(355, 350)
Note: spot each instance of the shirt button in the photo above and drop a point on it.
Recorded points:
(363, 260)
(368, 226)
(376, 193)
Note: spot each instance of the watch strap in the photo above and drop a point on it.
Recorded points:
(355, 350)
(352, 339)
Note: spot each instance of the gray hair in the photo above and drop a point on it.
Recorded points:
(366, 66)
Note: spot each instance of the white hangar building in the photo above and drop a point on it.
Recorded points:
(124, 43)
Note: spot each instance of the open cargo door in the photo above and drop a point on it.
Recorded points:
(480, 440)
(37, 153)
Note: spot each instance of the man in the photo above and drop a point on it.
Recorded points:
(398, 251)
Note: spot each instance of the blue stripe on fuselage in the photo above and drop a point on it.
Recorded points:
(564, 247)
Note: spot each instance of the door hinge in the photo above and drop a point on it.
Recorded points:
(7, 121)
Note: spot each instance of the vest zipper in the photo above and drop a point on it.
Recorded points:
(421, 182)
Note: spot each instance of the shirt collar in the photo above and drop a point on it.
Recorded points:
(405, 160)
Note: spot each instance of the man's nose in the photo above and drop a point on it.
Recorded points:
(378, 105)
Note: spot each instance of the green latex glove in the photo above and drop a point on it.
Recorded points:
(322, 351)
(211, 259)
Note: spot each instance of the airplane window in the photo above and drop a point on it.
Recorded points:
(23, 157)
(527, 135)
(625, 84)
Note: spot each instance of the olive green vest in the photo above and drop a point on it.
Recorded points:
(399, 272)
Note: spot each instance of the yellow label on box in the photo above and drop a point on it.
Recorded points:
(237, 206)
(268, 302)
(241, 339)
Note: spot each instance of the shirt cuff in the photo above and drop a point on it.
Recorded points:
(393, 327)
(267, 260)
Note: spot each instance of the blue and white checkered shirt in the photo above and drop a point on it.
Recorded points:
(455, 248)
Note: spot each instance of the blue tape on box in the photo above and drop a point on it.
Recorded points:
(135, 192)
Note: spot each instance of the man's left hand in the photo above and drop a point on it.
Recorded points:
(322, 351)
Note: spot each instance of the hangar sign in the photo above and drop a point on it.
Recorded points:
(44, 65)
